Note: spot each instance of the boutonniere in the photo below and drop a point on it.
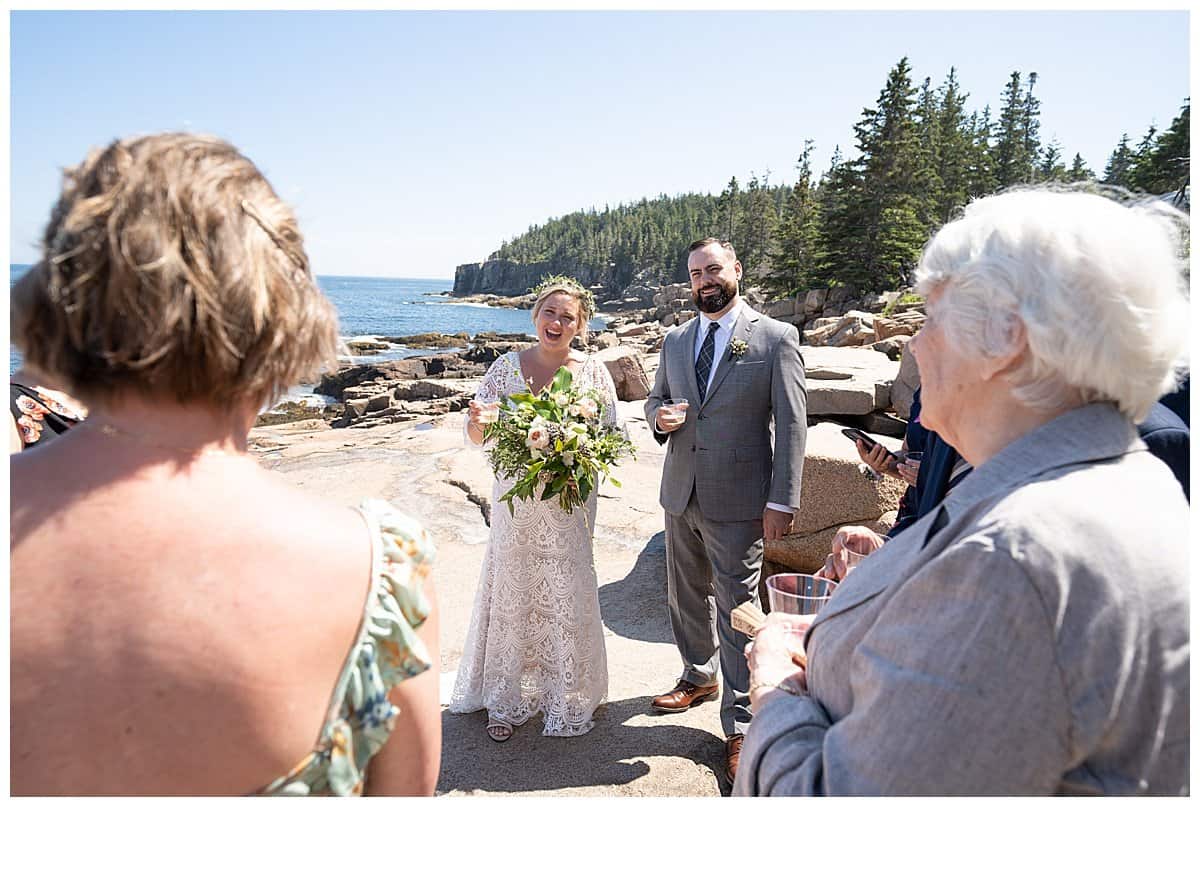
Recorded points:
(737, 348)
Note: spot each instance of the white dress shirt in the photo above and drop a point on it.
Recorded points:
(724, 332)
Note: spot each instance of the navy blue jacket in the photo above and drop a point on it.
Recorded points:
(1168, 438)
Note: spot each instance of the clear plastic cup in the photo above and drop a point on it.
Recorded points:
(673, 411)
(488, 412)
(798, 594)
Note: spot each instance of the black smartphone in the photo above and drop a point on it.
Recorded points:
(856, 434)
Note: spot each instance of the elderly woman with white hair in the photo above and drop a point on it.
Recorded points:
(1030, 635)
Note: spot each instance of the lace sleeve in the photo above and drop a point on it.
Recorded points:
(601, 379)
(496, 385)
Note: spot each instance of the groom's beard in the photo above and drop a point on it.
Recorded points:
(715, 300)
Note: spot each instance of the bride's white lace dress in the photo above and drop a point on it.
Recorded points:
(536, 641)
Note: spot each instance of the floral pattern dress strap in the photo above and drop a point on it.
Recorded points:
(386, 651)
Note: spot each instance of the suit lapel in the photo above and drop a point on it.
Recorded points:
(688, 341)
(743, 329)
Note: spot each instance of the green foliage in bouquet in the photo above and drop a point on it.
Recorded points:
(554, 444)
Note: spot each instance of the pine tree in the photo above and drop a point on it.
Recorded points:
(1051, 169)
(931, 139)
(881, 216)
(1079, 171)
(1120, 163)
(1009, 152)
(981, 168)
(839, 214)
(794, 257)
(957, 148)
(728, 217)
(759, 220)
(1031, 125)
(1162, 164)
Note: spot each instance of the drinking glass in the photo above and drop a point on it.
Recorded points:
(798, 594)
(675, 410)
(489, 412)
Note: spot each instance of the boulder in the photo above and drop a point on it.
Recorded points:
(879, 422)
(908, 380)
(853, 329)
(784, 307)
(431, 389)
(806, 553)
(606, 340)
(893, 346)
(487, 352)
(628, 373)
(814, 302)
(846, 381)
(633, 330)
(835, 491)
(366, 345)
(431, 340)
(905, 324)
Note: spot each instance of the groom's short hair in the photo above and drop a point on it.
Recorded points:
(712, 240)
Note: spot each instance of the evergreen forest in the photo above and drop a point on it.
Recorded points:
(919, 156)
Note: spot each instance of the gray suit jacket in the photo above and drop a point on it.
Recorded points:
(725, 448)
(1029, 636)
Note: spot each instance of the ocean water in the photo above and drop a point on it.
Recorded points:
(391, 307)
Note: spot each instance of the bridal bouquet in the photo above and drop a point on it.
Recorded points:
(554, 444)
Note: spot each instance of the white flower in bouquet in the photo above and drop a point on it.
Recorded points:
(553, 445)
(588, 408)
(538, 437)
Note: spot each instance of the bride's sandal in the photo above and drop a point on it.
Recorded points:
(499, 730)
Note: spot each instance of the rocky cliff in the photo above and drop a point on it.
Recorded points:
(508, 279)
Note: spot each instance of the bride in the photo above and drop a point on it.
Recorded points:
(535, 640)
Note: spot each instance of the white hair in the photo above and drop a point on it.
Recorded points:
(1100, 286)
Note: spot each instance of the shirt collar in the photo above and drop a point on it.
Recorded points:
(1092, 433)
(728, 319)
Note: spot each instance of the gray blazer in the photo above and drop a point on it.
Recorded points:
(1029, 636)
(725, 448)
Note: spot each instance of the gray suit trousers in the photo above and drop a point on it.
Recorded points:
(711, 568)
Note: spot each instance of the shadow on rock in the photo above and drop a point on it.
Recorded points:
(611, 754)
(636, 606)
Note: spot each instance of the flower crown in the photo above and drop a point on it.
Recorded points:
(566, 284)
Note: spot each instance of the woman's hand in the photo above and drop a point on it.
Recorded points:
(480, 414)
(849, 539)
(908, 470)
(777, 653)
(877, 457)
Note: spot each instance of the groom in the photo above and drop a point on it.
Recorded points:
(729, 480)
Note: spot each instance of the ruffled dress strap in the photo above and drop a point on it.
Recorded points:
(386, 651)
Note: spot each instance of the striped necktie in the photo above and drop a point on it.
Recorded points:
(704, 362)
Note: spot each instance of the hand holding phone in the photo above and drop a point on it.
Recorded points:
(857, 435)
(876, 456)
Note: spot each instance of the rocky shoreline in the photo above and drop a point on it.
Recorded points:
(395, 433)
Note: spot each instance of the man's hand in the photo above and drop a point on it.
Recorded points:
(776, 524)
(670, 417)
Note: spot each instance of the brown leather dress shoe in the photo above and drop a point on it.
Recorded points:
(733, 752)
(682, 696)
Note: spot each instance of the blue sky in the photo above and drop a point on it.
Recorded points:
(409, 142)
